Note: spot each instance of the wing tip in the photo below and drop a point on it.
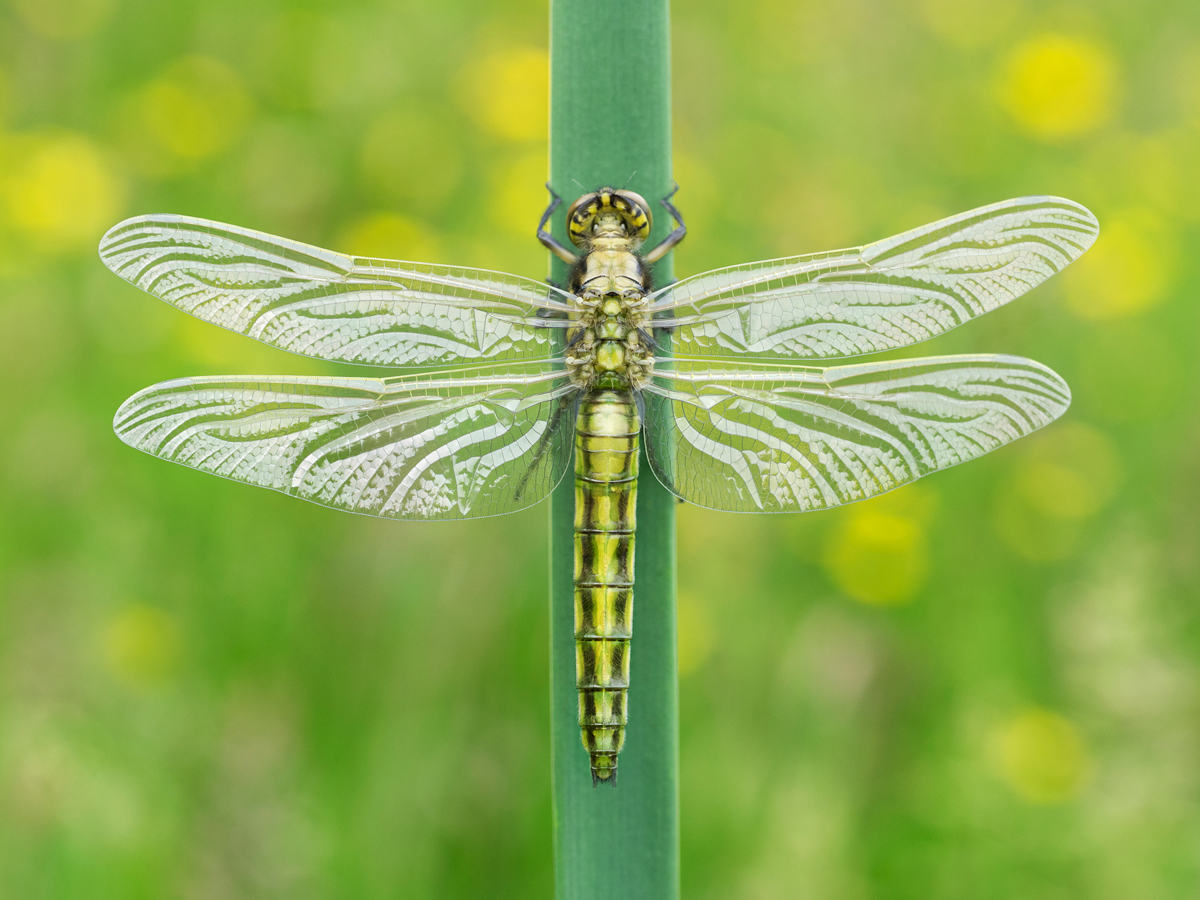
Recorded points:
(111, 237)
(1086, 224)
(131, 407)
(1074, 218)
(119, 418)
(1055, 383)
(115, 235)
(124, 418)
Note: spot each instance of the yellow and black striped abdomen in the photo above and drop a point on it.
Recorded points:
(606, 469)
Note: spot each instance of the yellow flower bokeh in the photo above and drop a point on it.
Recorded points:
(194, 111)
(1057, 87)
(141, 645)
(1065, 475)
(1042, 756)
(877, 557)
(507, 93)
(390, 236)
(62, 190)
(517, 194)
(1129, 270)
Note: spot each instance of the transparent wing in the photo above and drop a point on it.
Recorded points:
(320, 303)
(752, 438)
(476, 444)
(885, 295)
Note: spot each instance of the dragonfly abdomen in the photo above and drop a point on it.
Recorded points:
(606, 470)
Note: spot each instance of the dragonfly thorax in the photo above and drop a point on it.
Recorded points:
(608, 350)
(610, 268)
(609, 285)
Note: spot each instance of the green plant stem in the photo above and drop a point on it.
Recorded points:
(610, 126)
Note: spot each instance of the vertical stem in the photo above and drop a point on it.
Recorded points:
(610, 126)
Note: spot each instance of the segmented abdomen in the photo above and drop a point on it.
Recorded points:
(606, 469)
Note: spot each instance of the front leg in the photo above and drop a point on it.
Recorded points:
(550, 241)
(664, 246)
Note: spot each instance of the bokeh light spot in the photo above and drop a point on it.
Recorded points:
(1065, 475)
(141, 645)
(1057, 491)
(696, 635)
(1128, 270)
(1058, 87)
(196, 109)
(390, 236)
(63, 191)
(64, 19)
(1042, 756)
(507, 93)
(1073, 471)
(518, 196)
(877, 557)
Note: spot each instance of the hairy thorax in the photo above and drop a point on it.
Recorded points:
(610, 348)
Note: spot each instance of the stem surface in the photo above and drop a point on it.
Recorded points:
(610, 126)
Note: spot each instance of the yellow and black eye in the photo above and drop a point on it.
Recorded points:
(635, 211)
(580, 217)
(632, 209)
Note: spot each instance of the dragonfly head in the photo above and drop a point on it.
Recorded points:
(607, 209)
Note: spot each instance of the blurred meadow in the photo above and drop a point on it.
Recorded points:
(985, 685)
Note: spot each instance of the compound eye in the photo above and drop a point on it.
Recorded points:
(580, 216)
(639, 218)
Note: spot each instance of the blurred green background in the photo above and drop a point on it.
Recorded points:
(985, 685)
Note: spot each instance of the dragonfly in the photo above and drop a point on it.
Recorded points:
(513, 382)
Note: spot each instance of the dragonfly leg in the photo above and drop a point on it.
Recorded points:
(548, 240)
(664, 246)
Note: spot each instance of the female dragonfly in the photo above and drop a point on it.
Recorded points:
(522, 378)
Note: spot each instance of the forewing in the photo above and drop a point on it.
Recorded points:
(749, 438)
(885, 295)
(404, 448)
(332, 306)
